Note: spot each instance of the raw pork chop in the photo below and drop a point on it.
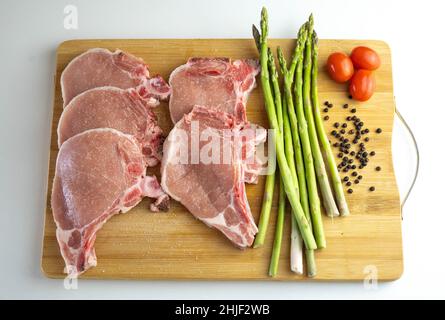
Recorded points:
(101, 67)
(99, 173)
(216, 83)
(109, 107)
(212, 192)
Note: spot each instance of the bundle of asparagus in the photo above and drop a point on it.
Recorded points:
(300, 142)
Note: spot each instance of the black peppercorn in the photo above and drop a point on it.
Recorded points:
(378, 168)
(350, 191)
(325, 109)
(354, 174)
(372, 153)
(372, 188)
(378, 130)
(354, 110)
(336, 124)
(326, 118)
(367, 139)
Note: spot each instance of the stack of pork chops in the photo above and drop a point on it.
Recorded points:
(108, 135)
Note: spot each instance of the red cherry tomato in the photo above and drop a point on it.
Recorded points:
(340, 67)
(362, 85)
(365, 58)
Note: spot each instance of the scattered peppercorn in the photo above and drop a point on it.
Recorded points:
(360, 177)
(378, 130)
(330, 105)
(349, 183)
(345, 106)
(326, 118)
(372, 188)
(367, 139)
(353, 110)
(356, 181)
(336, 124)
(350, 191)
(325, 109)
(346, 178)
(372, 153)
(378, 168)
(326, 103)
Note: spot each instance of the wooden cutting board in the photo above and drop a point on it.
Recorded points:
(174, 245)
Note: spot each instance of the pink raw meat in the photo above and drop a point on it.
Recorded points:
(216, 83)
(99, 173)
(212, 192)
(100, 67)
(110, 107)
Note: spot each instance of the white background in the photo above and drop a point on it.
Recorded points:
(29, 34)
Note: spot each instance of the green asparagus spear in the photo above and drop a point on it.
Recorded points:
(270, 180)
(265, 210)
(325, 146)
(289, 186)
(296, 249)
(273, 267)
(314, 201)
(320, 169)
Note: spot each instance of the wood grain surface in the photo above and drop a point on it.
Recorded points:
(174, 245)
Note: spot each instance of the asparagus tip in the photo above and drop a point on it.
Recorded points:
(281, 60)
(256, 36)
(311, 23)
(264, 22)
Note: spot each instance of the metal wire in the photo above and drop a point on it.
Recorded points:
(413, 182)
